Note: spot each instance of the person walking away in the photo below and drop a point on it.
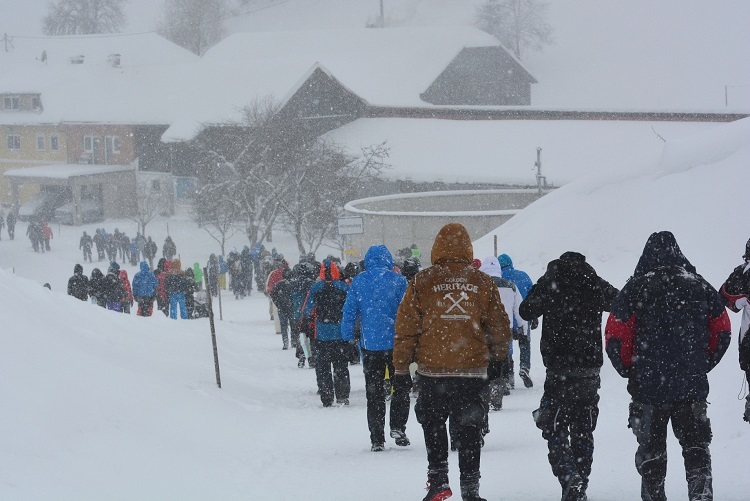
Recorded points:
(303, 277)
(127, 296)
(162, 298)
(149, 252)
(78, 284)
(668, 328)
(46, 235)
(324, 304)
(134, 252)
(96, 288)
(100, 244)
(246, 272)
(453, 324)
(176, 285)
(281, 295)
(2, 224)
(85, 244)
(571, 297)
(144, 290)
(11, 220)
(33, 234)
(736, 290)
(169, 249)
(198, 276)
(113, 290)
(223, 270)
(511, 298)
(524, 283)
(281, 325)
(373, 300)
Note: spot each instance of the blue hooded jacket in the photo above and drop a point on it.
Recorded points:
(374, 297)
(518, 277)
(144, 282)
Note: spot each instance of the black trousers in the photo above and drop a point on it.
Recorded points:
(567, 416)
(374, 364)
(332, 384)
(692, 428)
(460, 399)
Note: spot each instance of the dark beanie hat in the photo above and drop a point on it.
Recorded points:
(747, 251)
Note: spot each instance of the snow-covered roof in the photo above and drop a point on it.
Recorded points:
(390, 66)
(66, 171)
(142, 88)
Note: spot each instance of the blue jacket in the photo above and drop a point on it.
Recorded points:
(518, 277)
(319, 293)
(144, 282)
(374, 297)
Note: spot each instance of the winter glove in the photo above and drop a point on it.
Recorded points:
(519, 333)
(741, 303)
(533, 323)
(495, 370)
(402, 382)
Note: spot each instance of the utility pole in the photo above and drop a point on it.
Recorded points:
(541, 181)
(5, 35)
(382, 15)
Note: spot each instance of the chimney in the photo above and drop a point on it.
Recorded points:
(76, 59)
(114, 60)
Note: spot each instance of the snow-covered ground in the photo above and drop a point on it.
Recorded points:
(99, 405)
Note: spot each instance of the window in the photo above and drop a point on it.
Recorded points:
(54, 143)
(113, 144)
(36, 103)
(156, 185)
(40, 142)
(12, 103)
(88, 144)
(14, 142)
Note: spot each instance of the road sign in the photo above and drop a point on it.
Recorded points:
(350, 225)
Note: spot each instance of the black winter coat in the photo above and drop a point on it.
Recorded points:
(78, 285)
(571, 297)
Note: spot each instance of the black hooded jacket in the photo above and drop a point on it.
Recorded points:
(668, 327)
(78, 284)
(571, 297)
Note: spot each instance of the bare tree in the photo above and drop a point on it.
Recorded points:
(193, 24)
(83, 17)
(518, 24)
(215, 210)
(150, 203)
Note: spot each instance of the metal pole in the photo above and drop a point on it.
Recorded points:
(213, 330)
(382, 15)
(495, 239)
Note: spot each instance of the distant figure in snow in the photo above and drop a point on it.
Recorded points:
(78, 284)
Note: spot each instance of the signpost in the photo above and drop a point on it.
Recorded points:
(350, 225)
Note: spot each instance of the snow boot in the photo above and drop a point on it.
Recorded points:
(301, 363)
(574, 490)
(700, 486)
(471, 494)
(377, 447)
(401, 439)
(527, 382)
(652, 492)
(438, 489)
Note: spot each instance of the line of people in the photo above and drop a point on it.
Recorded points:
(118, 246)
(11, 220)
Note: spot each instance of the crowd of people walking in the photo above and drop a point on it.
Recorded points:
(455, 323)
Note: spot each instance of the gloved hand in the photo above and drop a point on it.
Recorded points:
(518, 333)
(494, 370)
(741, 303)
(533, 323)
(402, 382)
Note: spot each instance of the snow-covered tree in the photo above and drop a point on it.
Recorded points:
(518, 24)
(149, 204)
(83, 17)
(193, 24)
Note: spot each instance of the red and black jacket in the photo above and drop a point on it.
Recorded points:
(668, 327)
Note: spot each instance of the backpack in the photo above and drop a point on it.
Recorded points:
(329, 303)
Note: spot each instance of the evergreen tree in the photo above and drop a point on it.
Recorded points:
(193, 24)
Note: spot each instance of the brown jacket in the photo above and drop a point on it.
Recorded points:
(451, 320)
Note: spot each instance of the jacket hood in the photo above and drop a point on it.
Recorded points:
(378, 256)
(572, 272)
(329, 271)
(452, 243)
(491, 266)
(78, 269)
(97, 273)
(176, 267)
(505, 261)
(661, 249)
(144, 266)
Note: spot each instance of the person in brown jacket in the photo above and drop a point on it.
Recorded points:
(452, 323)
